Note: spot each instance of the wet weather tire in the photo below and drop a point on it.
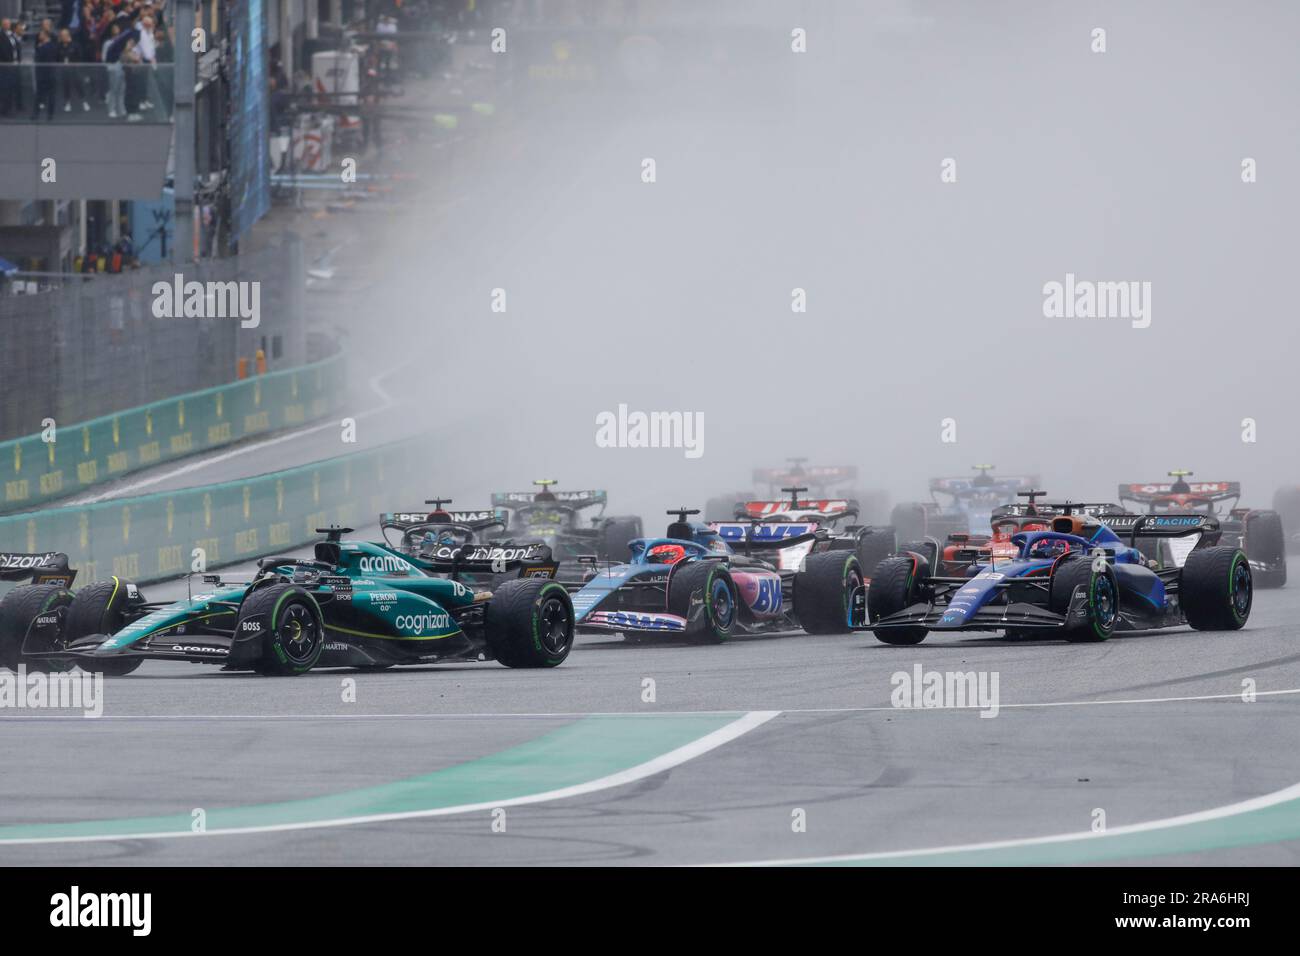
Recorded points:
(908, 521)
(1215, 589)
(715, 621)
(823, 591)
(1266, 543)
(100, 608)
(529, 623)
(1101, 600)
(289, 626)
(874, 545)
(895, 586)
(18, 611)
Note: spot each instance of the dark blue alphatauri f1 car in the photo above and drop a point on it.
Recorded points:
(1080, 581)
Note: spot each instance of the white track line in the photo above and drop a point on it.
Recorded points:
(207, 461)
(667, 761)
(626, 713)
(1200, 816)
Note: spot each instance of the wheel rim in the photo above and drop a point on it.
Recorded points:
(299, 633)
(1103, 602)
(1241, 588)
(723, 608)
(554, 624)
(854, 582)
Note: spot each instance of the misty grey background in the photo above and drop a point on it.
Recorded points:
(821, 171)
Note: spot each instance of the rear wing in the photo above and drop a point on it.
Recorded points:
(1160, 526)
(406, 520)
(1050, 509)
(826, 508)
(50, 567)
(965, 487)
(817, 475)
(757, 534)
(1144, 493)
(570, 499)
(530, 560)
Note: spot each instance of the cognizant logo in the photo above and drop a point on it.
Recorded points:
(417, 624)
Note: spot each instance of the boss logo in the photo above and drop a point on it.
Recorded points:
(251, 627)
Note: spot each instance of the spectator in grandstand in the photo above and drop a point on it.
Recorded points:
(18, 37)
(47, 54)
(134, 64)
(111, 54)
(8, 71)
(73, 78)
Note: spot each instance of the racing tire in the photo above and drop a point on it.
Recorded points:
(1266, 543)
(1286, 502)
(18, 610)
(100, 608)
(1215, 589)
(895, 586)
(908, 521)
(1101, 608)
(529, 623)
(614, 538)
(717, 619)
(293, 636)
(874, 545)
(823, 591)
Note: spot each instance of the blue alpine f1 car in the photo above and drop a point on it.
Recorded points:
(1080, 581)
(706, 582)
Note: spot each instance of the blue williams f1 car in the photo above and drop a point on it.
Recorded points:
(695, 584)
(1080, 581)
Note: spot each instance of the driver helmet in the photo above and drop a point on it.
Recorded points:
(1048, 548)
(665, 554)
(434, 539)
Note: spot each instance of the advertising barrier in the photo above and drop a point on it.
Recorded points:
(157, 536)
(34, 471)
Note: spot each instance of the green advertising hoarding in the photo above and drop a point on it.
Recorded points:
(157, 536)
(34, 471)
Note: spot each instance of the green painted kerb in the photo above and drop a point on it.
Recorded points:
(587, 749)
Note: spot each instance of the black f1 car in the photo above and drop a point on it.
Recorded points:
(556, 518)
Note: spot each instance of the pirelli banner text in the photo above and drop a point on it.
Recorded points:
(163, 535)
(64, 459)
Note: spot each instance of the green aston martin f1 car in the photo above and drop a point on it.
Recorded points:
(354, 604)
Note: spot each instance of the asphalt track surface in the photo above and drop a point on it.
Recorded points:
(573, 766)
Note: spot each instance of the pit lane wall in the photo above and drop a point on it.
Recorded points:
(34, 471)
(152, 537)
